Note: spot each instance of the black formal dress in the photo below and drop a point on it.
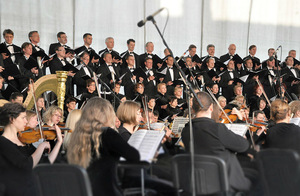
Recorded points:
(16, 168)
(125, 134)
(215, 139)
(283, 136)
(102, 171)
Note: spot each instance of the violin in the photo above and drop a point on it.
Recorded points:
(31, 135)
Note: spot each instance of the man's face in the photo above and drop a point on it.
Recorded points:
(8, 38)
(290, 61)
(232, 49)
(170, 61)
(150, 47)
(92, 87)
(149, 63)
(239, 91)
(188, 62)
(271, 52)
(63, 39)
(249, 64)
(130, 61)
(85, 59)
(271, 64)
(230, 65)
(110, 43)
(192, 52)
(211, 51)
(253, 51)
(88, 40)
(211, 63)
(292, 54)
(108, 59)
(61, 52)
(18, 100)
(117, 89)
(131, 46)
(28, 50)
(35, 37)
(215, 89)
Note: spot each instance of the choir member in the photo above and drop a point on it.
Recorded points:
(87, 42)
(290, 72)
(130, 116)
(157, 62)
(269, 78)
(110, 72)
(271, 55)
(85, 70)
(116, 101)
(172, 109)
(62, 41)
(161, 100)
(145, 75)
(172, 74)
(151, 103)
(251, 81)
(100, 145)
(129, 79)
(211, 74)
(255, 61)
(227, 80)
(197, 63)
(18, 159)
(216, 140)
(8, 50)
(110, 43)
(232, 55)
(211, 55)
(70, 105)
(215, 90)
(253, 100)
(139, 93)
(130, 51)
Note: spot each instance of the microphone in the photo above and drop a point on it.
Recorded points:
(277, 49)
(143, 22)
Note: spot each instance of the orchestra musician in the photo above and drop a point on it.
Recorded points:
(16, 158)
(215, 139)
(100, 145)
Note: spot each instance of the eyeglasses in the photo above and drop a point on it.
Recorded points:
(57, 115)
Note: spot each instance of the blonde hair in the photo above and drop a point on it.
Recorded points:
(72, 119)
(97, 113)
(160, 84)
(50, 112)
(279, 110)
(127, 112)
(177, 88)
(295, 107)
(30, 114)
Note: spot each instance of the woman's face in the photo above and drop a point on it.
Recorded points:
(20, 122)
(140, 89)
(262, 104)
(32, 122)
(56, 117)
(139, 117)
(258, 91)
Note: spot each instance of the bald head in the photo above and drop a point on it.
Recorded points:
(232, 49)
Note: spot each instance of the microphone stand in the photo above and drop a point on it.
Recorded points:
(191, 90)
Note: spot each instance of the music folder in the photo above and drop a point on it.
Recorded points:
(146, 142)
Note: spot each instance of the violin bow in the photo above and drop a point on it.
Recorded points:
(212, 95)
(36, 109)
(144, 102)
(263, 91)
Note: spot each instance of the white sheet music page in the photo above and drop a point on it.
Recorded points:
(239, 129)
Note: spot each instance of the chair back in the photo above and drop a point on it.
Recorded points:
(62, 180)
(279, 171)
(210, 174)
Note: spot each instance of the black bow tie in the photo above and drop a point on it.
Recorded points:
(131, 69)
(36, 46)
(130, 52)
(109, 51)
(149, 54)
(170, 67)
(9, 45)
(271, 69)
(230, 71)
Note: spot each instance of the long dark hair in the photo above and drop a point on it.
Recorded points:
(10, 111)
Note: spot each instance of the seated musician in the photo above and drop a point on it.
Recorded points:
(16, 158)
(100, 146)
(52, 116)
(295, 110)
(130, 116)
(215, 139)
(283, 134)
(222, 101)
(113, 100)
(16, 97)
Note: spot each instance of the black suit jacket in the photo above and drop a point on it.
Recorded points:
(54, 45)
(150, 86)
(106, 74)
(128, 83)
(156, 59)
(79, 81)
(227, 90)
(102, 52)
(288, 73)
(125, 54)
(216, 140)
(3, 49)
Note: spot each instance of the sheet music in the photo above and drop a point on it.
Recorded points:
(239, 129)
(157, 126)
(179, 124)
(146, 142)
